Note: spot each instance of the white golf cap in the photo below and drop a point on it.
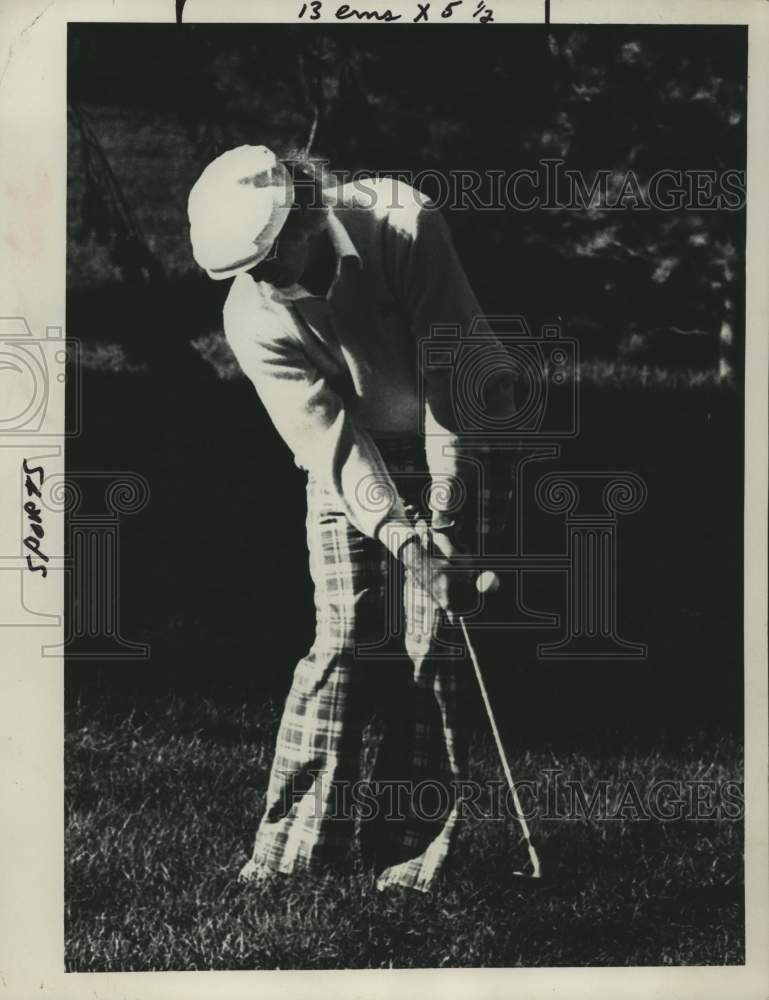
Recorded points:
(237, 208)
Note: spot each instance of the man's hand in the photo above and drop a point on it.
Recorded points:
(451, 588)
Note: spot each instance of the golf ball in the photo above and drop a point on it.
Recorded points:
(487, 582)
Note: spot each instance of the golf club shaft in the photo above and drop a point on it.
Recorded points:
(534, 859)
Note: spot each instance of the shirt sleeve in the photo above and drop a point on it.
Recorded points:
(311, 418)
(437, 293)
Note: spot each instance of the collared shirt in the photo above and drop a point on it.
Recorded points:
(336, 372)
(314, 311)
(344, 249)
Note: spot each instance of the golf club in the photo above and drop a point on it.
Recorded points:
(488, 582)
(536, 870)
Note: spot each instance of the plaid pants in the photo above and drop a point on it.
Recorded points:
(380, 644)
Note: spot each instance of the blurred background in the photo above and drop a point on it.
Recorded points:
(213, 572)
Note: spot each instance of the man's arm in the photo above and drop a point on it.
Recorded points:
(311, 418)
(437, 292)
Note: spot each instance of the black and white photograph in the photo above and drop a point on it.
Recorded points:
(402, 486)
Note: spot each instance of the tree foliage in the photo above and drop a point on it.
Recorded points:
(166, 99)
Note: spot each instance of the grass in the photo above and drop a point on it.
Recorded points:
(161, 811)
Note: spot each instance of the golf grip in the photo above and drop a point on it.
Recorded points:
(485, 582)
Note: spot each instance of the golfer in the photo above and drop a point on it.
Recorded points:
(333, 291)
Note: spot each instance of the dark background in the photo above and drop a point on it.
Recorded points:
(213, 572)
